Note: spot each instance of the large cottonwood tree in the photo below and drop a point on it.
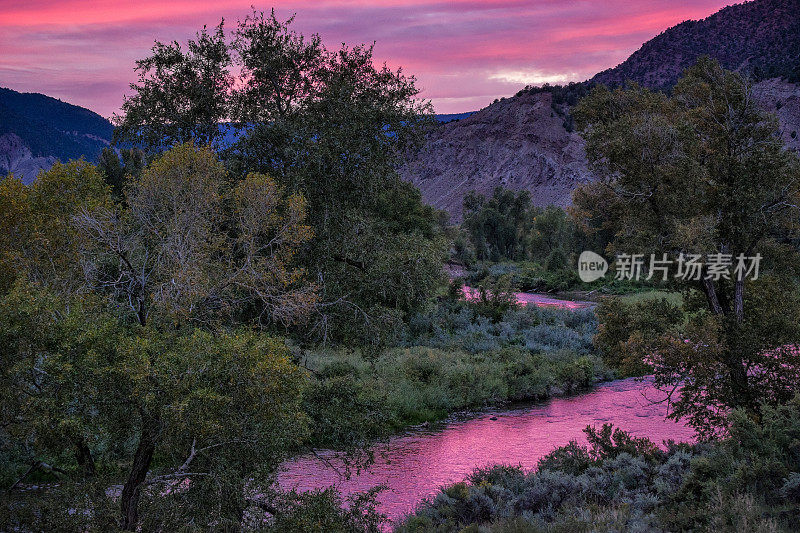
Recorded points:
(703, 171)
(329, 124)
(131, 334)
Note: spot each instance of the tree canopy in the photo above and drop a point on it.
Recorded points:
(131, 333)
(702, 171)
(325, 123)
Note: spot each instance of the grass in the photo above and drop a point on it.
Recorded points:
(351, 400)
(449, 359)
(674, 298)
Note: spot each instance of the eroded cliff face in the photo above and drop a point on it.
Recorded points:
(522, 143)
(519, 143)
(16, 159)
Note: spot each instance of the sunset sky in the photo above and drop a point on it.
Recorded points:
(464, 53)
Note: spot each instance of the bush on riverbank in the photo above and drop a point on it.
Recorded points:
(321, 511)
(461, 326)
(553, 276)
(747, 482)
(408, 386)
(450, 359)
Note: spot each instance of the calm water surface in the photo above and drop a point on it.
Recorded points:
(415, 465)
(533, 298)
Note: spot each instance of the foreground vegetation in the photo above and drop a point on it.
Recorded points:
(749, 481)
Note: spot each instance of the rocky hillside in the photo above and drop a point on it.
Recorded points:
(35, 130)
(783, 99)
(16, 158)
(759, 38)
(519, 143)
(526, 142)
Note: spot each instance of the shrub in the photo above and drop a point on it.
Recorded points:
(622, 483)
(323, 511)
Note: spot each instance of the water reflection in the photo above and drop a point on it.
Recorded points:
(415, 465)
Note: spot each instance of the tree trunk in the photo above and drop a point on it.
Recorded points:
(83, 455)
(141, 312)
(141, 465)
(738, 300)
(711, 296)
(742, 395)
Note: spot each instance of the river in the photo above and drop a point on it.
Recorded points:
(416, 464)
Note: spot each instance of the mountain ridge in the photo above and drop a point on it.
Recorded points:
(767, 48)
(36, 130)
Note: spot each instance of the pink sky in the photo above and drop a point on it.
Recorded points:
(464, 53)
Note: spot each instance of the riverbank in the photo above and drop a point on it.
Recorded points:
(449, 359)
(415, 465)
(746, 482)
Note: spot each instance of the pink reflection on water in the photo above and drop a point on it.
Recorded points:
(528, 298)
(414, 466)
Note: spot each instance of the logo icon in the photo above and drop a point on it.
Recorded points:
(591, 266)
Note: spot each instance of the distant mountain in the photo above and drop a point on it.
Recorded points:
(527, 142)
(36, 130)
(450, 117)
(759, 38)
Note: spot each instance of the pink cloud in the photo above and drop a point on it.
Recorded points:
(464, 53)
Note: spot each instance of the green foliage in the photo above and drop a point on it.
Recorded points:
(179, 96)
(367, 401)
(116, 172)
(453, 358)
(327, 124)
(324, 511)
(697, 357)
(38, 238)
(494, 297)
(124, 352)
(624, 327)
(538, 246)
(459, 325)
(701, 171)
(190, 245)
(498, 225)
(203, 404)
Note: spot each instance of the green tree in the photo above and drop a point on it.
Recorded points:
(116, 168)
(626, 331)
(180, 95)
(498, 226)
(553, 232)
(39, 241)
(192, 245)
(327, 124)
(130, 331)
(702, 171)
(168, 406)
